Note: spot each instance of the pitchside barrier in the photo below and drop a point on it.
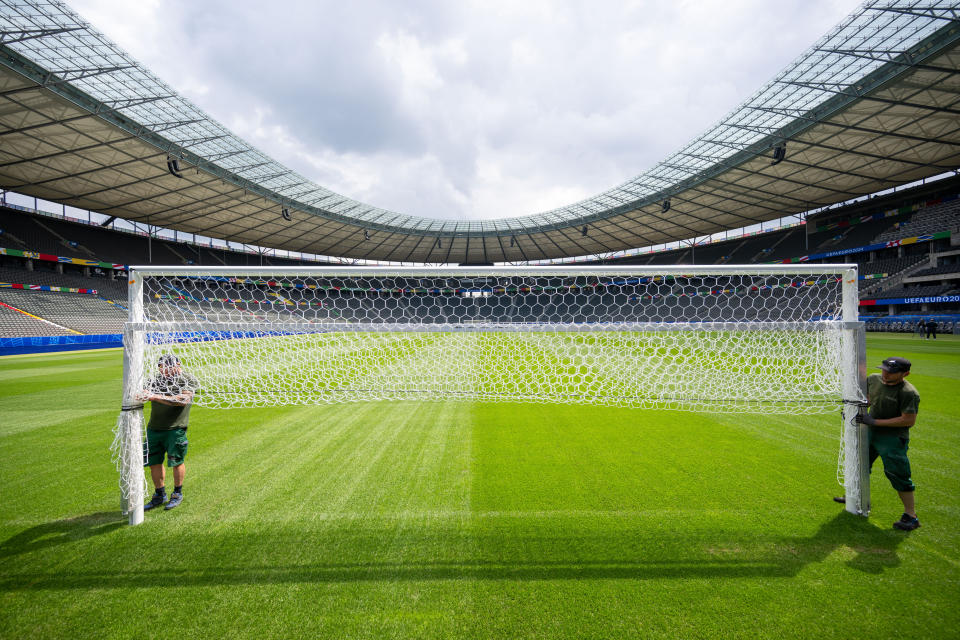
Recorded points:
(760, 339)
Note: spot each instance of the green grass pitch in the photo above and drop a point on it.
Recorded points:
(473, 520)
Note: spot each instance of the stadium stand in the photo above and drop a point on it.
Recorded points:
(846, 234)
(107, 288)
(853, 236)
(14, 324)
(887, 265)
(917, 291)
(31, 235)
(951, 269)
(905, 235)
(74, 239)
(907, 325)
(940, 217)
(84, 313)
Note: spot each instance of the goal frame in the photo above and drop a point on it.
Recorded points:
(854, 455)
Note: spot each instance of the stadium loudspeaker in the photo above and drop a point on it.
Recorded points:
(666, 206)
(173, 166)
(584, 231)
(286, 214)
(779, 153)
(513, 241)
(366, 234)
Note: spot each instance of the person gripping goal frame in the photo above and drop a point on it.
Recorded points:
(170, 394)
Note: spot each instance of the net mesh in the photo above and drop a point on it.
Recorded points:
(744, 342)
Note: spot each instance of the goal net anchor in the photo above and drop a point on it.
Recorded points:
(773, 339)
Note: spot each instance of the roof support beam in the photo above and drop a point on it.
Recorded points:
(116, 105)
(886, 57)
(79, 174)
(186, 144)
(166, 126)
(851, 127)
(247, 167)
(58, 78)
(832, 87)
(22, 35)
(57, 154)
(226, 154)
(937, 13)
(191, 185)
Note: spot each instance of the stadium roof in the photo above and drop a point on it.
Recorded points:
(871, 105)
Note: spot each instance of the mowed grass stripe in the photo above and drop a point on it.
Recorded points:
(43, 409)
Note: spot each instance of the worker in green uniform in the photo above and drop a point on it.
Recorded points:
(894, 404)
(171, 395)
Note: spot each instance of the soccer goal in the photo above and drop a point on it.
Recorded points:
(759, 339)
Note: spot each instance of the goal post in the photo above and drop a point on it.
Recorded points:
(761, 339)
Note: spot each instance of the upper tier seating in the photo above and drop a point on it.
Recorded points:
(889, 266)
(914, 291)
(857, 235)
(939, 217)
(78, 240)
(110, 289)
(936, 271)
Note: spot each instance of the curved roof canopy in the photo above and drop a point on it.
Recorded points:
(872, 104)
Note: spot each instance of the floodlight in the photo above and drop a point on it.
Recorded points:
(173, 166)
(779, 153)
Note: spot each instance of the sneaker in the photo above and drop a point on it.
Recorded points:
(155, 501)
(175, 500)
(840, 499)
(907, 523)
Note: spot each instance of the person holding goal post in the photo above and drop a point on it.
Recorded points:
(170, 394)
(894, 404)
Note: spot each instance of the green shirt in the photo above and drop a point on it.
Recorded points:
(164, 417)
(891, 401)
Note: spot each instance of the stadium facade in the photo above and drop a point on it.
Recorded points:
(870, 106)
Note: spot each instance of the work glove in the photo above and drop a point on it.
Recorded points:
(866, 419)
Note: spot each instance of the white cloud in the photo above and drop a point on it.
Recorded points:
(466, 110)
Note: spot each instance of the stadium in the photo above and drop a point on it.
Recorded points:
(622, 417)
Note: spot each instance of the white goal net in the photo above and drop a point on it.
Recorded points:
(772, 339)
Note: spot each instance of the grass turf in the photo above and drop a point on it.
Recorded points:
(449, 519)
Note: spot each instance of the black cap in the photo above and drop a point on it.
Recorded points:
(895, 365)
(168, 360)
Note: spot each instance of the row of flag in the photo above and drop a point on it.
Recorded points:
(43, 287)
(49, 257)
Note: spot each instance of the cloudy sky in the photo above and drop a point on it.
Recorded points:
(466, 110)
